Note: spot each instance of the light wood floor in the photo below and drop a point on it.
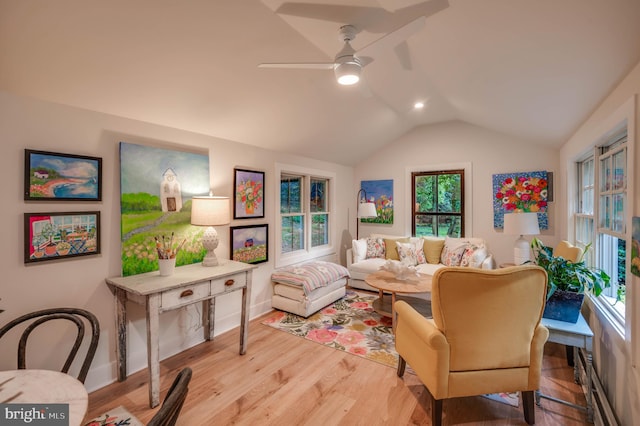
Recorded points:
(286, 380)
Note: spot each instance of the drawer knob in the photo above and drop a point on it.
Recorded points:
(186, 293)
(229, 282)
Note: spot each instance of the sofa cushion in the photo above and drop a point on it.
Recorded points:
(360, 270)
(359, 250)
(432, 248)
(411, 254)
(391, 250)
(375, 248)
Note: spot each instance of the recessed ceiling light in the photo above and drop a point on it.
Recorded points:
(418, 105)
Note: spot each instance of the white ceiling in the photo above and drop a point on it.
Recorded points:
(531, 68)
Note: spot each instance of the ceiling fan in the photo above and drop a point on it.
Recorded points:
(348, 63)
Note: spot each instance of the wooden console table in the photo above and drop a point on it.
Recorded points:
(580, 336)
(189, 284)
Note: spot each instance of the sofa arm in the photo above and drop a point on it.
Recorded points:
(349, 257)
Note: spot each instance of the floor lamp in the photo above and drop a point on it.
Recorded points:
(366, 209)
(521, 224)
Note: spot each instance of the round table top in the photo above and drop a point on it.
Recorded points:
(386, 281)
(45, 387)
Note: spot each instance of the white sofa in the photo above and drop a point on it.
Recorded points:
(439, 252)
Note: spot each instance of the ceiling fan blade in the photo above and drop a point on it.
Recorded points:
(404, 57)
(303, 65)
(355, 15)
(394, 38)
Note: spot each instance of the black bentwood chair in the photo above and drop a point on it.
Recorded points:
(74, 315)
(167, 415)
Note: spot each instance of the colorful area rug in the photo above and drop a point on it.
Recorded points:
(351, 325)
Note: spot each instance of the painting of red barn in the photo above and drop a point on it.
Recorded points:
(249, 244)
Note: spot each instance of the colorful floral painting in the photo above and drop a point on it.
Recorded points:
(379, 192)
(520, 192)
(249, 194)
(635, 246)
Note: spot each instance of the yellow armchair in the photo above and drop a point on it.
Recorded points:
(485, 335)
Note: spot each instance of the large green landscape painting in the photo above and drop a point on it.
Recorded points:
(156, 187)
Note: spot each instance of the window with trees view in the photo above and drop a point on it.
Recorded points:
(305, 214)
(602, 183)
(438, 203)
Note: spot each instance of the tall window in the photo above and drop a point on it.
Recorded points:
(292, 214)
(438, 203)
(305, 215)
(603, 177)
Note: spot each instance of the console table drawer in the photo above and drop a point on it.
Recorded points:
(229, 283)
(184, 295)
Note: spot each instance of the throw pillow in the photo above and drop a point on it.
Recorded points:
(411, 254)
(375, 248)
(451, 256)
(391, 252)
(468, 254)
(478, 257)
(359, 248)
(433, 249)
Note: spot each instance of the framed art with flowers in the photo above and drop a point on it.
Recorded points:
(249, 194)
(521, 192)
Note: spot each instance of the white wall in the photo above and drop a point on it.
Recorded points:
(453, 144)
(616, 356)
(79, 282)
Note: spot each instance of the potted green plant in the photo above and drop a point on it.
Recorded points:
(567, 282)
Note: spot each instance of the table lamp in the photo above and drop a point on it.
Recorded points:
(210, 211)
(521, 224)
(366, 209)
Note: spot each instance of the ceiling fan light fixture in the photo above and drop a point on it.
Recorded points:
(348, 73)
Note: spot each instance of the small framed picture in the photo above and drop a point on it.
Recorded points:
(50, 236)
(51, 176)
(248, 188)
(250, 244)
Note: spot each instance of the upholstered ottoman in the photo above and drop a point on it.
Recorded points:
(306, 288)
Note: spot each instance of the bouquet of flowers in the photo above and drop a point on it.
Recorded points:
(523, 194)
(250, 193)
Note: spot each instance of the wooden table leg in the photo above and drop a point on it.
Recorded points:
(153, 348)
(393, 311)
(121, 339)
(209, 318)
(244, 319)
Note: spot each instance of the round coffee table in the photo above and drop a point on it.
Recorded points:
(385, 281)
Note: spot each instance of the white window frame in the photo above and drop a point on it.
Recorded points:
(625, 116)
(308, 252)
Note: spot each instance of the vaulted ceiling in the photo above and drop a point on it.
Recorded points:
(531, 68)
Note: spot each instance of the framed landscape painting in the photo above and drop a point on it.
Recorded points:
(250, 244)
(248, 187)
(50, 176)
(50, 236)
(156, 189)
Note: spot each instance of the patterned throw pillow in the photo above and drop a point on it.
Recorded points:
(375, 248)
(452, 255)
(467, 254)
(411, 254)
